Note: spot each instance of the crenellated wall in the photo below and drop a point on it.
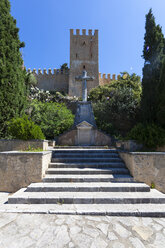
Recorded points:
(107, 79)
(56, 80)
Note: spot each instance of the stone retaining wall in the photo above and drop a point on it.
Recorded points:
(22, 145)
(19, 169)
(147, 167)
(70, 138)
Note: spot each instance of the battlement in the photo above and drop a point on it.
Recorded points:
(84, 32)
(49, 72)
(108, 76)
(107, 79)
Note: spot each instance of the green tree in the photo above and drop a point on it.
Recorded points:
(53, 118)
(161, 98)
(116, 105)
(13, 91)
(153, 54)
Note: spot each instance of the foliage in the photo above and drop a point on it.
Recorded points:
(53, 118)
(116, 105)
(33, 149)
(48, 96)
(161, 98)
(131, 82)
(13, 91)
(64, 66)
(150, 135)
(31, 80)
(153, 54)
(24, 129)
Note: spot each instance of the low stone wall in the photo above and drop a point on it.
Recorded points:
(19, 169)
(70, 138)
(129, 145)
(147, 167)
(102, 139)
(22, 145)
(52, 143)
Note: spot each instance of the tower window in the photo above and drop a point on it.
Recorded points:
(91, 55)
(76, 56)
(84, 67)
(84, 43)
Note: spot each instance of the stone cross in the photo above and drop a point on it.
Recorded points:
(84, 78)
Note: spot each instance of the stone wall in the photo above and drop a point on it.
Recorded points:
(147, 167)
(19, 169)
(129, 145)
(70, 138)
(102, 139)
(53, 81)
(22, 145)
(106, 79)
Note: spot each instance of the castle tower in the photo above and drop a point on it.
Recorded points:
(83, 55)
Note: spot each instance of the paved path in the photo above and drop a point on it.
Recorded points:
(66, 231)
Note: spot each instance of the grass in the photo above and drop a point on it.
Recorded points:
(33, 149)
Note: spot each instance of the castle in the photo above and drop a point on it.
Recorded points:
(84, 55)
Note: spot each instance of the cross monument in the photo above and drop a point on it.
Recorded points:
(84, 78)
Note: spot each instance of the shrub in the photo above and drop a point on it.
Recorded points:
(24, 129)
(150, 135)
(53, 118)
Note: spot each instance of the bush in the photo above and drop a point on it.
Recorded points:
(53, 118)
(120, 109)
(150, 135)
(24, 129)
(116, 105)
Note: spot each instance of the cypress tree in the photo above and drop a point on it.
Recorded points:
(12, 75)
(153, 54)
(161, 98)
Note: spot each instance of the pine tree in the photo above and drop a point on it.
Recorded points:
(153, 54)
(12, 75)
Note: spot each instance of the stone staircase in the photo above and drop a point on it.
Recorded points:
(89, 181)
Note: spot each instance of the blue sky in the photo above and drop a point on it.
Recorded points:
(44, 27)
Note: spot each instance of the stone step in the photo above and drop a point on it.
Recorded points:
(82, 159)
(83, 147)
(23, 197)
(138, 210)
(87, 165)
(85, 155)
(89, 178)
(87, 171)
(88, 187)
(68, 150)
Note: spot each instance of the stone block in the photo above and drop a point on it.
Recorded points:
(22, 145)
(19, 169)
(147, 167)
